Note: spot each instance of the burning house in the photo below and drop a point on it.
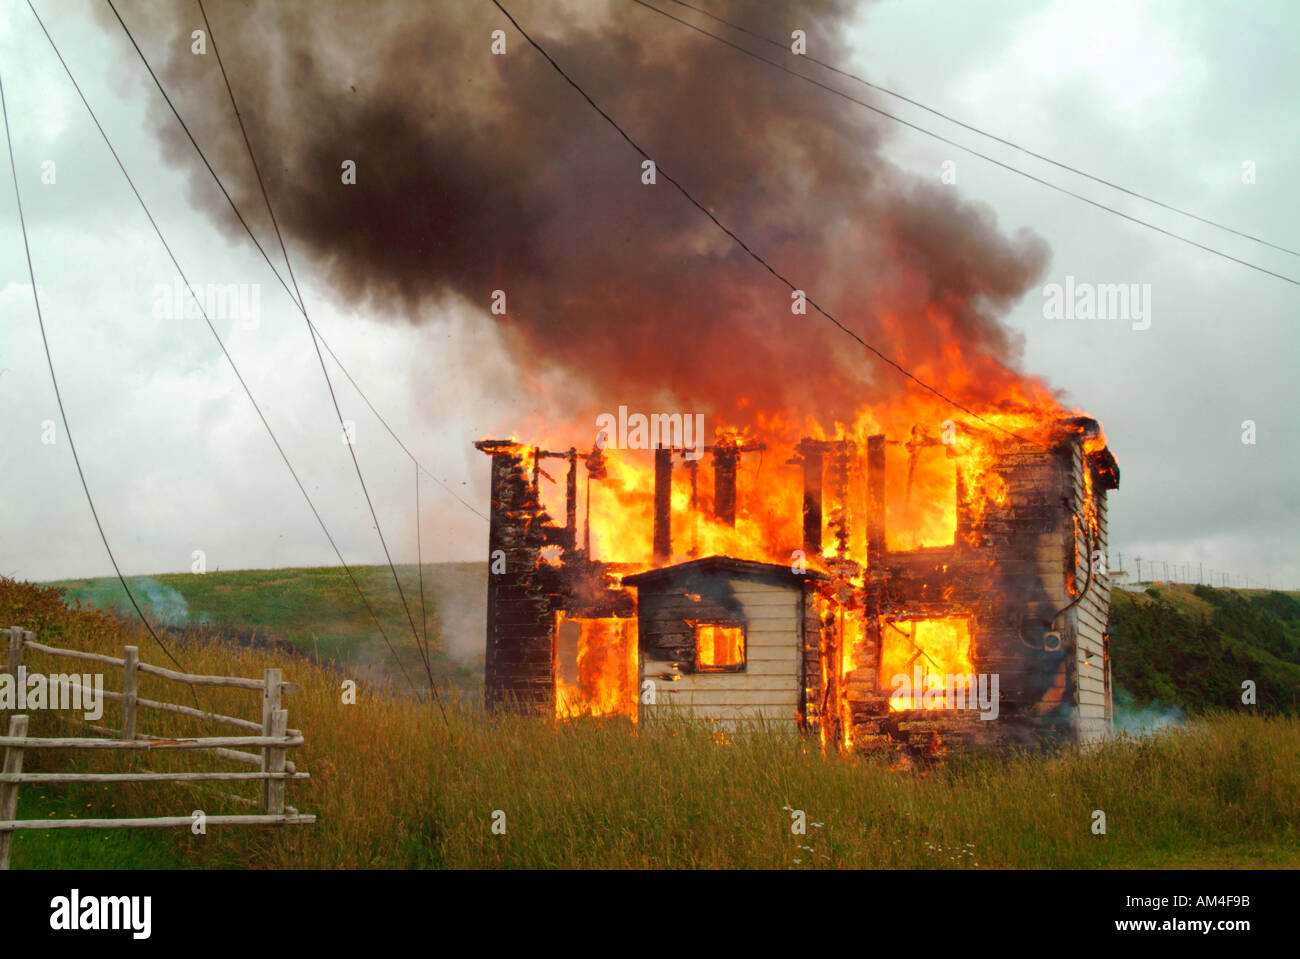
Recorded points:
(887, 593)
(837, 535)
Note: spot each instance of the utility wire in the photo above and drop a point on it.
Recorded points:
(58, 395)
(260, 249)
(419, 558)
(965, 149)
(974, 129)
(745, 246)
(247, 391)
(415, 633)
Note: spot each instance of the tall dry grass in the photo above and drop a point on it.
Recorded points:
(394, 787)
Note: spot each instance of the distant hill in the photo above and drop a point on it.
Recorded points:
(1174, 647)
(317, 611)
(1191, 647)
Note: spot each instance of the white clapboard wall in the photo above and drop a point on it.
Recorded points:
(770, 686)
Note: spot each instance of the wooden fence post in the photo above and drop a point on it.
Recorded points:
(15, 649)
(275, 787)
(9, 791)
(270, 706)
(130, 678)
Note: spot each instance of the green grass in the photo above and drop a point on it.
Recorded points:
(86, 848)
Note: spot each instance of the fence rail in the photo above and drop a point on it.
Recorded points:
(274, 740)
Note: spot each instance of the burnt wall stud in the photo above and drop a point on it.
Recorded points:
(725, 457)
(810, 458)
(876, 500)
(663, 537)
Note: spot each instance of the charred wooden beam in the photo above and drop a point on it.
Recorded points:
(842, 515)
(571, 501)
(725, 458)
(519, 665)
(876, 500)
(810, 458)
(693, 466)
(663, 536)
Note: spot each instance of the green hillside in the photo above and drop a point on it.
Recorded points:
(1191, 647)
(317, 611)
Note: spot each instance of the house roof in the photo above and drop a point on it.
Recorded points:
(723, 565)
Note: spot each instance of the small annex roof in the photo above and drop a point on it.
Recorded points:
(743, 568)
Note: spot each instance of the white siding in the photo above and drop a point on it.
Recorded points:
(1089, 621)
(769, 687)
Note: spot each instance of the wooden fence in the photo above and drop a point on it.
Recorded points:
(273, 739)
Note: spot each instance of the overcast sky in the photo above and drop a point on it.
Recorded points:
(1168, 99)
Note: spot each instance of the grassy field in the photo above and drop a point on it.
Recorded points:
(396, 787)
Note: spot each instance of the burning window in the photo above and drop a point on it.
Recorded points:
(926, 663)
(595, 667)
(920, 497)
(719, 647)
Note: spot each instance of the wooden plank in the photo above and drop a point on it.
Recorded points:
(784, 680)
(74, 654)
(786, 640)
(157, 822)
(200, 714)
(788, 697)
(786, 666)
(763, 654)
(204, 742)
(780, 714)
(762, 667)
(694, 686)
(1091, 610)
(130, 675)
(753, 598)
(234, 682)
(772, 654)
(270, 708)
(15, 648)
(1098, 619)
(274, 786)
(236, 755)
(770, 713)
(13, 765)
(681, 631)
(1092, 672)
(744, 585)
(22, 777)
(250, 759)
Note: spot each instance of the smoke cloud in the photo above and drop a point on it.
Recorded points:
(477, 172)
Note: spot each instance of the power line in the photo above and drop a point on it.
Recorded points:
(966, 149)
(260, 249)
(58, 394)
(234, 367)
(419, 558)
(984, 133)
(415, 633)
(745, 246)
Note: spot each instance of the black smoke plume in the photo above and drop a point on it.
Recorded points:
(477, 172)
